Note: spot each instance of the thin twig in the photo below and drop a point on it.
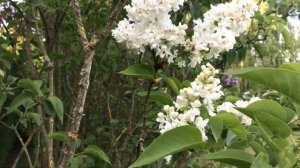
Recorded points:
(132, 108)
(113, 144)
(22, 150)
(3, 123)
(37, 153)
(14, 128)
(100, 36)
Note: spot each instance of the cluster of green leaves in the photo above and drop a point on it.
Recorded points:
(22, 96)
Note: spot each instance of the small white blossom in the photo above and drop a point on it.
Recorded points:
(229, 107)
(168, 159)
(149, 24)
(219, 28)
(204, 90)
(201, 124)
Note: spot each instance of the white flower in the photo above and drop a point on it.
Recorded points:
(149, 24)
(241, 103)
(226, 106)
(196, 104)
(204, 90)
(168, 159)
(254, 99)
(181, 101)
(201, 124)
(229, 107)
(190, 115)
(219, 28)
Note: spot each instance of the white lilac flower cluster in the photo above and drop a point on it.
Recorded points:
(149, 24)
(219, 28)
(229, 107)
(204, 90)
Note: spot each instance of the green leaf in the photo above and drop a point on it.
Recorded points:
(269, 106)
(6, 63)
(30, 86)
(291, 66)
(173, 84)
(267, 135)
(230, 138)
(282, 80)
(11, 79)
(241, 144)
(59, 136)
(268, 120)
(57, 106)
(29, 103)
(18, 101)
(77, 161)
(290, 114)
(3, 97)
(139, 70)
(35, 117)
(186, 83)
(216, 125)
(231, 122)
(277, 126)
(171, 142)
(231, 99)
(261, 161)
(234, 157)
(160, 97)
(285, 156)
(95, 151)
(2, 74)
(257, 147)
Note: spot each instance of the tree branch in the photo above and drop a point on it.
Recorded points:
(24, 147)
(89, 50)
(22, 150)
(100, 36)
(77, 111)
(49, 65)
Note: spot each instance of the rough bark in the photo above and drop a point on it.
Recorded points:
(89, 51)
(77, 111)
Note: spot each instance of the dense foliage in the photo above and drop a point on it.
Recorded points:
(171, 83)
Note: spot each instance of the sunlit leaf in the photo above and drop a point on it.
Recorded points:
(30, 86)
(282, 80)
(139, 70)
(35, 117)
(232, 156)
(57, 106)
(216, 125)
(261, 161)
(59, 136)
(19, 100)
(171, 142)
(173, 84)
(232, 123)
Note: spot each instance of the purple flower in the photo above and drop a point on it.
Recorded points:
(229, 81)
